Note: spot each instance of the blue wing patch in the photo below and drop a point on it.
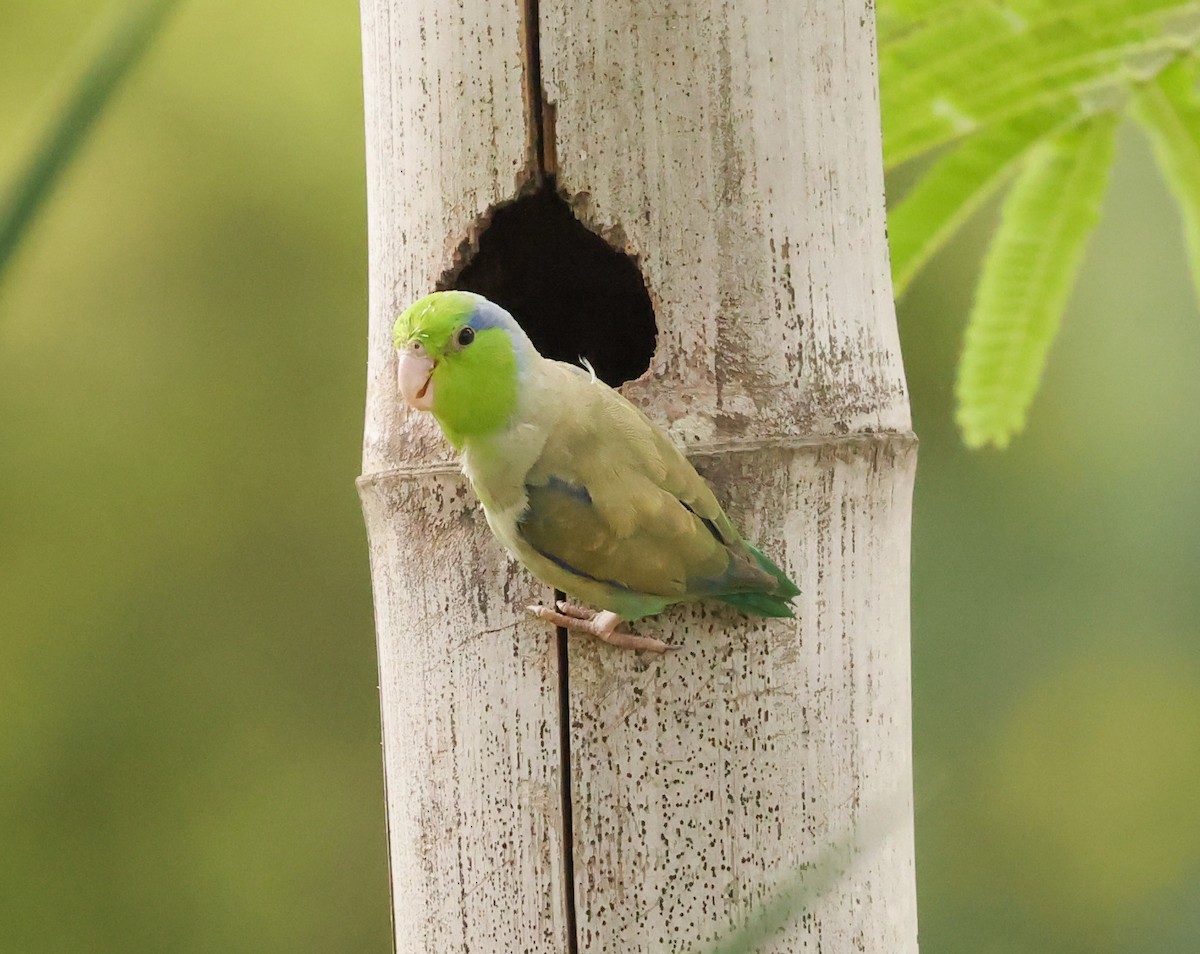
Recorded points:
(552, 506)
(559, 486)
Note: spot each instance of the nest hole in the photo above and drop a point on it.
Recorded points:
(574, 294)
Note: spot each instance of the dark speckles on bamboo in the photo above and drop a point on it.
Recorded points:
(735, 161)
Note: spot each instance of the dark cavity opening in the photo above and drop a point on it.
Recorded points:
(573, 293)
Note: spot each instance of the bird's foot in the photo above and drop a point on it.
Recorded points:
(603, 625)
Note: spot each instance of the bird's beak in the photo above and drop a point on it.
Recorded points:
(415, 374)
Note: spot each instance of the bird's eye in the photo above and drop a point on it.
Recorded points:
(466, 336)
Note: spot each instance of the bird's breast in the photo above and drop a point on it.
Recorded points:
(498, 465)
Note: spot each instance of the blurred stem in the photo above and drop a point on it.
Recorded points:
(124, 46)
(800, 892)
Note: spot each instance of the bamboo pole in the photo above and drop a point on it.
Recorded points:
(468, 687)
(734, 149)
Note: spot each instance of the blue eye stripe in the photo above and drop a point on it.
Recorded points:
(487, 315)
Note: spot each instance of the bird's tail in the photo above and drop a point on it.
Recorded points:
(758, 604)
(766, 604)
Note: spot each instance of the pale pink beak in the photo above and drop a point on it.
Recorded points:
(415, 375)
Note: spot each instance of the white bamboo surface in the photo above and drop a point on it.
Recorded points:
(735, 149)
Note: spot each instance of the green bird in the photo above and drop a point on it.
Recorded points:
(576, 482)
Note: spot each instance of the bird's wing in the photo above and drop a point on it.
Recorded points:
(611, 499)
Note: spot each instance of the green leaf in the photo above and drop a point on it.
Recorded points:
(895, 19)
(958, 183)
(1027, 274)
(126, 43)
(1168, 109)
(979, 63)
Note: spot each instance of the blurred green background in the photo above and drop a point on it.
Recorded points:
(189, 753)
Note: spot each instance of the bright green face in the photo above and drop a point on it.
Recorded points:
(475, 366)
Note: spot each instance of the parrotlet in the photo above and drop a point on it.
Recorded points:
(591, 496)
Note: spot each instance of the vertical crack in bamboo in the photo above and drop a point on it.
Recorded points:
(542, 167)
(565, 794)
(539, 113)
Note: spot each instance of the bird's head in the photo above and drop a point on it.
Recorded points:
(461, 358)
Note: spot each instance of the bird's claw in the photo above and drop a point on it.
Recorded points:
(603, 625)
